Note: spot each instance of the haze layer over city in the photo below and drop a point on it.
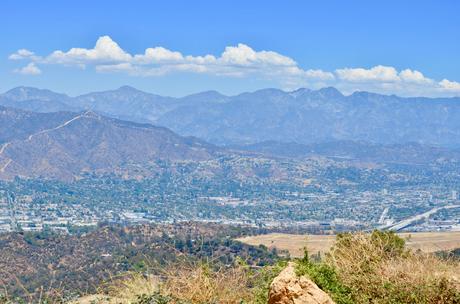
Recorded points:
(144, 133)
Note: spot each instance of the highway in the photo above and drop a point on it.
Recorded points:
(409, 221)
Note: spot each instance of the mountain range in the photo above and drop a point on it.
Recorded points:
(303, 116)
(50, 135)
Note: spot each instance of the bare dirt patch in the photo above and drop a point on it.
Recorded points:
(295, 243)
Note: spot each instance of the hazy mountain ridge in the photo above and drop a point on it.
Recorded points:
(303, 116)
(266, 123)
(62, 145)
(412, 153)
(321, 116)
(37, 100)
(126, 103)
(18, 124)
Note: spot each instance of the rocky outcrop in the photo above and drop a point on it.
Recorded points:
(288, 288)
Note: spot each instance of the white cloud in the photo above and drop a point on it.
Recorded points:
(105, 50)
(377, 73)
(207, 59)
(119, 67)
(413, 76)
(240, 61)
(387, 80)
(30, 69)
(450, 85)
(319, 74)
(243, 55)
(158, 55)
(23, 54)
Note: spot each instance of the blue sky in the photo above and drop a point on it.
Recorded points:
(181, 47)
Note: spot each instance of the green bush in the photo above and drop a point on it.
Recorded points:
(377, 268)
(388, 243)
(325, 277)
(262, 280)
(158, 298)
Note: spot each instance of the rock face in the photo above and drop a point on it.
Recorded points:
(288, 288)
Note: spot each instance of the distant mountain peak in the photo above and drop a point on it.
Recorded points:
(329, 92)
(91, 114)
(25, 93)
(204, 97)
(128, 88)
(212, 92)
(206, 93)
(299, 92)
(368, 94)
(267, 92)
(24, 89)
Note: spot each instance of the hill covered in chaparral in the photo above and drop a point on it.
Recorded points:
(63, 144)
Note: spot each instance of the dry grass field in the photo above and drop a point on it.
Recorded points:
(294, 243)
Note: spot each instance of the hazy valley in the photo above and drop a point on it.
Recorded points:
(63, 160)
(231, 152)
(123, 181)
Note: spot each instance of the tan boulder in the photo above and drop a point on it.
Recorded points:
(288, 288)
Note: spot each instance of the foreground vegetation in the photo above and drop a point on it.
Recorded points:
(360, 268)
(378, 268)
(33, 265)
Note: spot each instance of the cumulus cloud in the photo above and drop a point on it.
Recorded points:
(23, 54)
(158, 55)
(235, 61)
(450, 85)
(105, 50)
(119, 67)
(377, 73)
(383, 74)
(239, 61)
(243, 55)
(385, 79)
(413, 76)
(30, 69)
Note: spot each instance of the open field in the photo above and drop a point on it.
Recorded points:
(294, 243)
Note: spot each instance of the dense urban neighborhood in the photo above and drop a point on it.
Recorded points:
(318, 205)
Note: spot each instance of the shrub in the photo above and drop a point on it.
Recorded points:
(189, 281)
(326, 278)
(186, 282)
(157, 298)
(198, 282)
(261, 280)
(377, 268)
